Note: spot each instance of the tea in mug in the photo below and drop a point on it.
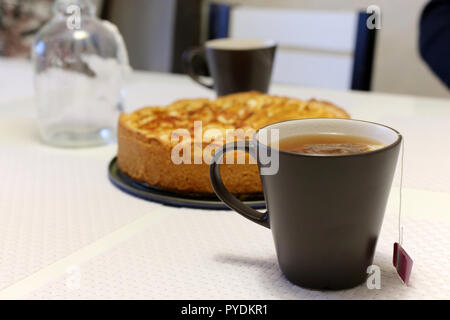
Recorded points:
(328, 144)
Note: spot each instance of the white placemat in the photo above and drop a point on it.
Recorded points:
(53, 201)
(220, 255)
(427, 151)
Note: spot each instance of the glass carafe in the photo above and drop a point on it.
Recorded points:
(79, 63)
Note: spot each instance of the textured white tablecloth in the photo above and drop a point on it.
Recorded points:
(61, 219)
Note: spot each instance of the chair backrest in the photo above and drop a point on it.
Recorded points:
(331, 49)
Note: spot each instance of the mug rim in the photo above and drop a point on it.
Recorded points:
(384, 148)
(266, 43)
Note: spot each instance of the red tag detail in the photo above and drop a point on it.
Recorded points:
(402, 262)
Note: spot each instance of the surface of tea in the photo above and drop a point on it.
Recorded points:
(328, 144)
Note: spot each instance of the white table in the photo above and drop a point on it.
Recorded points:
(66, 232)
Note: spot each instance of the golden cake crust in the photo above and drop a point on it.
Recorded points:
(145, 138)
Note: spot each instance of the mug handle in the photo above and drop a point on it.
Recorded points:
(188, 57)
(261, 218)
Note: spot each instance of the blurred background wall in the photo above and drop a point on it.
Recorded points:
(158, 31)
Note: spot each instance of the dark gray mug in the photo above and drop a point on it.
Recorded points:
(236, 65)
(325, 211)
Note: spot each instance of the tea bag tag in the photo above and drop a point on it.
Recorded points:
(402, 262)
(401, 259)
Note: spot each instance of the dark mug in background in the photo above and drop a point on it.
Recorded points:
(236, 65)
(325, 211)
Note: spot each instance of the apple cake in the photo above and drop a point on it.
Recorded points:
(148, 137)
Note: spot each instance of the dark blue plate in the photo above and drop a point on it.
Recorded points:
(170, 198)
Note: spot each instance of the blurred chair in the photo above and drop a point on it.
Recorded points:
(157, 32)
(330, 49)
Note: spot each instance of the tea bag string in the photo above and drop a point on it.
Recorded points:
(400, 226)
